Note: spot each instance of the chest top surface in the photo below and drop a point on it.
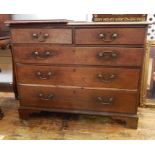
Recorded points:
(72, 23)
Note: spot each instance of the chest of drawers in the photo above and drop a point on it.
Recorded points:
(85, 68)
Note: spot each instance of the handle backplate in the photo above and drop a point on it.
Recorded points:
(41, 37)
(108, 37)
(105, 100)
(108, 55)
(45, 97)
(106, 77)
(44, 76)
(42, 55)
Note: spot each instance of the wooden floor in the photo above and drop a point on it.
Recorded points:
(63, 126)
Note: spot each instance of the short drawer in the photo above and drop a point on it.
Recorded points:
(55, 36)
(78, 99)
(115, 56)
(119, 35)
(79, 76)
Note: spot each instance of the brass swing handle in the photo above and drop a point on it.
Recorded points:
(42, 55)
(105, 100)
(108, 55)
(46, 97)
(44, 76)
(108, 37)
(42, 37)
(107, 77)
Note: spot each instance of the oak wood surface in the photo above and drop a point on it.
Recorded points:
(78, 55)
(79, 76)
(78, 99)
(125, 35)
(58, 36)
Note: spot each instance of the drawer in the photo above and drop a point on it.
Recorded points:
(118, 35)
(115, 56)
(78, 99)
(79, 76)
(55, 36)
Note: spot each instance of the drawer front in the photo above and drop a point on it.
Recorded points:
(114, 56)
(78, 99)
(110, 35)
(55, 36)
(79, 76)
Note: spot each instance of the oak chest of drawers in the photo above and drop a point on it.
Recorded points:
(87, 68)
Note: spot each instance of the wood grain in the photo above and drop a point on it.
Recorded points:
(78, 55)
(61, 36)
(78, 99)
(125, 35)
(79, 76)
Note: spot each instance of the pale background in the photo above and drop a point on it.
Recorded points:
(75, 9)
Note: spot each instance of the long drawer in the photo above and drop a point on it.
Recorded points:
(30, 35)
(115, 56)
(106, 35)
(79, 76)
(78, 99)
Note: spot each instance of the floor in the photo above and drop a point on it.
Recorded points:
(76, 127)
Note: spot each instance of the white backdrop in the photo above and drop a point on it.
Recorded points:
(76, 8)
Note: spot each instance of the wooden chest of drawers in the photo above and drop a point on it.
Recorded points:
(83, 68)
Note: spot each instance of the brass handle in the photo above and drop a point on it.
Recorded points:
(46, 35)
(43, 55)
(108, 37)
(108, 55)
(106, 77)
(34, 35)
(114, 35)
(45, 97)
(105, 100)
(44, 76)
(41, 36)
(102, 36)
